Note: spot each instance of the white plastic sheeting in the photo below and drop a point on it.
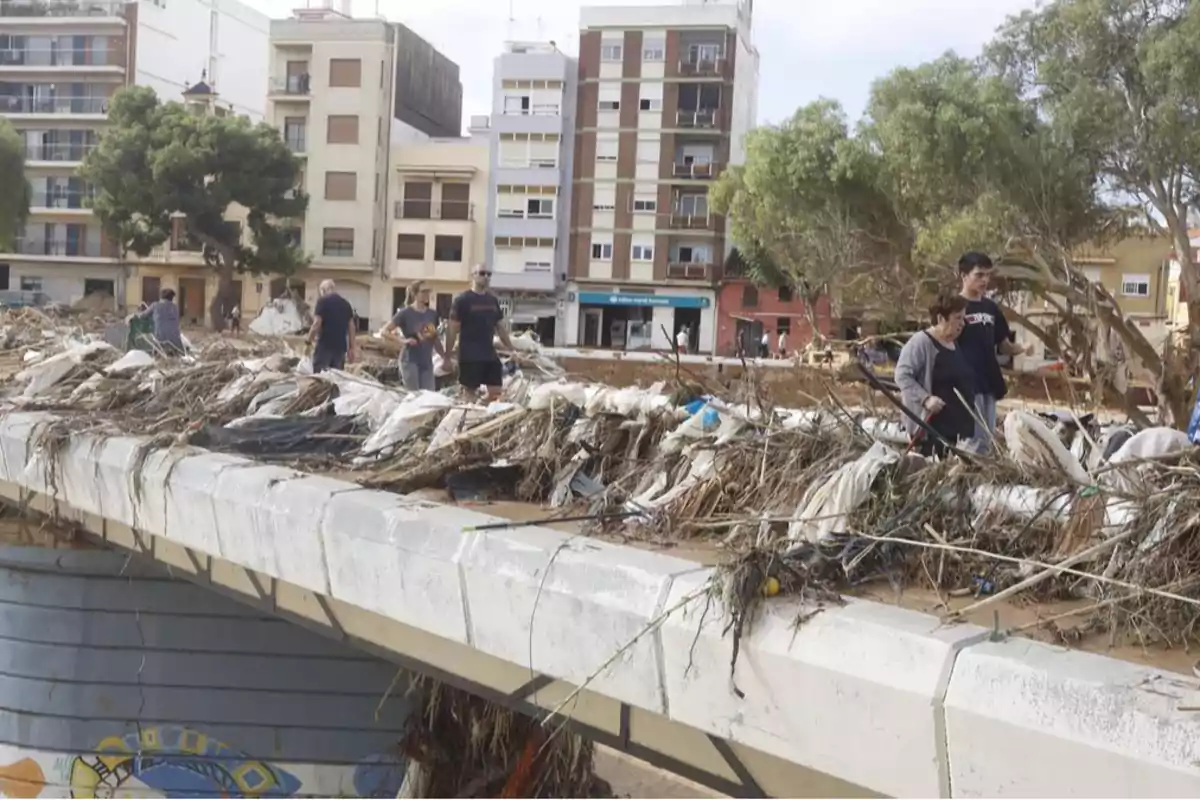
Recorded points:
(411, 413)
(824, 509)
(132, 361)
(278, 318)
(44, 374)
(1031, 443)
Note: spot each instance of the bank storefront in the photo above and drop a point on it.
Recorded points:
(639, 319)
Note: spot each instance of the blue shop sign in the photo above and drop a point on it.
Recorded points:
(641, 300)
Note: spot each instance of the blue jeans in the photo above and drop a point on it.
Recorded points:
(985, 407)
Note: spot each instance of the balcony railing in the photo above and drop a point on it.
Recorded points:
(694, 221)
(59, 8)
(689, 271)
(539, 110)
(427, 209)
(57, 247)
(53, 105)
(700, 66)
(60, 57)
(694, 170)
(292, 84)
(80, 200)
(58, 152)
(700, 118)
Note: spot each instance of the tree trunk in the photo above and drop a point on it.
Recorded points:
(223, 299)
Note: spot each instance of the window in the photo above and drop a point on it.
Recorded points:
(642, 252)
(418, 200)
(345, 72)
(341, 129)
(341, 186)
(645, 206)
(785, 294)
(540, 208)
(31, 284)
(516, 104)
(537, 266)
(1135, 285)
(602, 251)
(649, 151)
(294, 133)
(610, 52)
(610, 105)
(338, 242)
(783, 325)
(749, 296)
(456, 201)
(447, 248)
(653, 51)
(410, 247)
(650, 104)
(607, 148)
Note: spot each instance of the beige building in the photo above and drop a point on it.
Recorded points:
(439, 219)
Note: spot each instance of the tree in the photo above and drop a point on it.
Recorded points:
(804, 206)
(14, 199)
(159, 162)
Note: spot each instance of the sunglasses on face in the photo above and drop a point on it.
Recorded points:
(484, 274)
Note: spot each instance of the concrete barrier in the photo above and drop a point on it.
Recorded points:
(887, 700)
(1024, 719)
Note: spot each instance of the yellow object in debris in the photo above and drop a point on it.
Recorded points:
(771, 587)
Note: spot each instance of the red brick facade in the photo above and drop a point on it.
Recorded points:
(740, 300)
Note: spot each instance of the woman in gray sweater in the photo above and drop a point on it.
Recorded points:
(934, 378)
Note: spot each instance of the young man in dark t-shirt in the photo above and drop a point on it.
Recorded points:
(333, 330)
(475, 320)
(985, 335)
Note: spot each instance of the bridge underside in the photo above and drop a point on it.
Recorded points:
(727, 767)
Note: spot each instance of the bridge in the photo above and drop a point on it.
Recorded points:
(863, 699)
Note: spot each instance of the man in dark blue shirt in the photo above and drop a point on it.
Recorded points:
(475, 320)
(333, 330)
(985, 335)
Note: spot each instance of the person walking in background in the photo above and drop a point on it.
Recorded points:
(235, 319)
(985, 335)
(417, 325)
(681, 341)
(475, 320)
(333, 330)
(165, 315)
(936, 382)
(764, 346)
(783, 344)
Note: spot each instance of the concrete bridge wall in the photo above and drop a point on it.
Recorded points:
(862, 700)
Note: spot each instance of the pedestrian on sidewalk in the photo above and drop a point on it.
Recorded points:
(415, 326)
(333, 330)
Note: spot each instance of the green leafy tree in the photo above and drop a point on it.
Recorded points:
(14, 199)
(159, 162)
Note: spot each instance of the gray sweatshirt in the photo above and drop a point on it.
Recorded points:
(914, 375)
(166, 322)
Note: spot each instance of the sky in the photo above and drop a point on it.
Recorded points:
(808, 48)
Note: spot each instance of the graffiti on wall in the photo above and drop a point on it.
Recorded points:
(177, 761)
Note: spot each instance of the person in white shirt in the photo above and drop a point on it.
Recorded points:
(681, 341)
(783, 344)
(765, 344)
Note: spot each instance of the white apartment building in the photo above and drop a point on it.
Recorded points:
(667, 94)
(60, 63)
(528, 221)
(342, 94)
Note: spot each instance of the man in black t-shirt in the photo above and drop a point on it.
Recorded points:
(985, 335)
(333, 330)
(475, 320)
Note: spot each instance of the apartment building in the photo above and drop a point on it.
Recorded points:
(666, 96)
(532, 135)
(335, 89)
(439, 220)
(60, 63)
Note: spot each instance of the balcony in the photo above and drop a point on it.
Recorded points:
(58, 247)
(58, 153)
(46, 9)
(61, 200)
(537, 110)
(457, 210)
(297, 144)
(66, 58)
(54, 105)
(295, 87)
(694, 171)
(699, 119)
(702, 67)
(690, 271)
(680, 220)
